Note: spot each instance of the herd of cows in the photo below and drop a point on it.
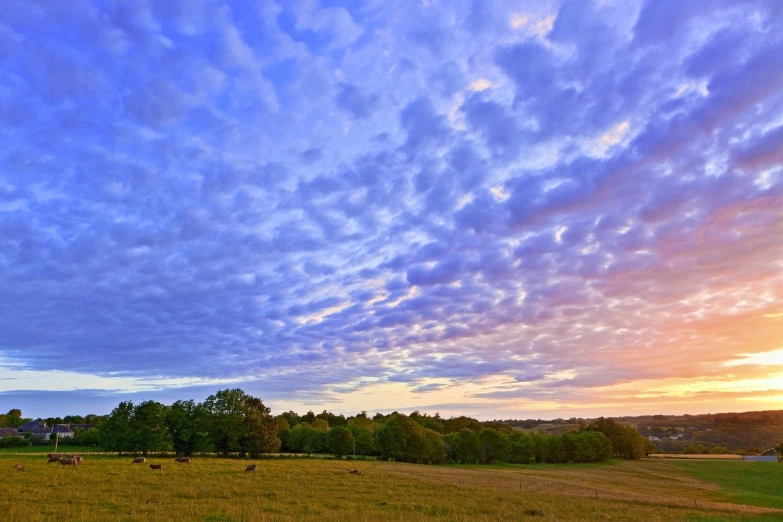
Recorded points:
(159, 467)
(72, 459)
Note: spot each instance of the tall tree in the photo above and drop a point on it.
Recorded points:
(148, 428)
(313, 440)
(467, 446)
(186, 424)
(226, 411)
(390, 439)
(260, 429)
(340, 441)
(115, 430)
(494, 446)
(13, 418)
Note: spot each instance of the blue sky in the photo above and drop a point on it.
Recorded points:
(504, 209)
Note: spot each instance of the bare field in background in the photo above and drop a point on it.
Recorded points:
(110, 488)
(706, 456)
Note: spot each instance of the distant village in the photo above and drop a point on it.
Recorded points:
(45, 432)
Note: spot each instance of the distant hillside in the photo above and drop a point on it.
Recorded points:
(748, 432)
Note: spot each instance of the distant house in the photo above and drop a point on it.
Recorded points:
(37, 429)
(33, 425)
(769, 453)
(65, 431)
(9, 432)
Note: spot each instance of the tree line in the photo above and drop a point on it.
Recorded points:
(234, 422)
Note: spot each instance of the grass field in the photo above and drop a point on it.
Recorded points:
(110, 488)
(549, 428)
(755, 483)
(50, 449)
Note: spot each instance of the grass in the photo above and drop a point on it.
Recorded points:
(753, 483)
(549, 428)
(110, 488)
(50, 449)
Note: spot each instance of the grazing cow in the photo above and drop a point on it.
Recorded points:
(182, 460)
(71, 455)
(18, 467)
(78, 459)
(251, 467)
(54, 459)
(54, 455)
(68, 462)
(139, 460)
(354, 472)
(153, 467)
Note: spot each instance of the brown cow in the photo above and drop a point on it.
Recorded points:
(78, 459)
(182, 460)
(18, 467)
(54, 459)
(251, 468)
(354, 472)
(54, 455)
(71, 455)
(68, 462)
(153, 467)
(139, 460)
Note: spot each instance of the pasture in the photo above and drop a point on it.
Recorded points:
(211, 489)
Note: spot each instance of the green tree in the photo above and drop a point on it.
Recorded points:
(363, 437)
(295, 439)
(186, 424)
(226, 411)
(522, 449)
(457, 424)
(283, 429)
(260, 429)
(434, 450)
(626, 442)
(555, 451)
(148, 430)
(390, 439)
(13, 418)
(467, 447)
(494, 446)
(116, 429)
(361, 420)
(332, 419)
(340, 441)
(319, 424)
(92, 419)
(91, 437)
(313, 440)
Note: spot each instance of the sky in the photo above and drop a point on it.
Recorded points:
(505, 209)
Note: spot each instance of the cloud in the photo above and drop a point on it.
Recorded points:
(461, 208)
(334, 22)
(479, 85)
(352, 101)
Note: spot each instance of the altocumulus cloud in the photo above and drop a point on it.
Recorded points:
(321, 204)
